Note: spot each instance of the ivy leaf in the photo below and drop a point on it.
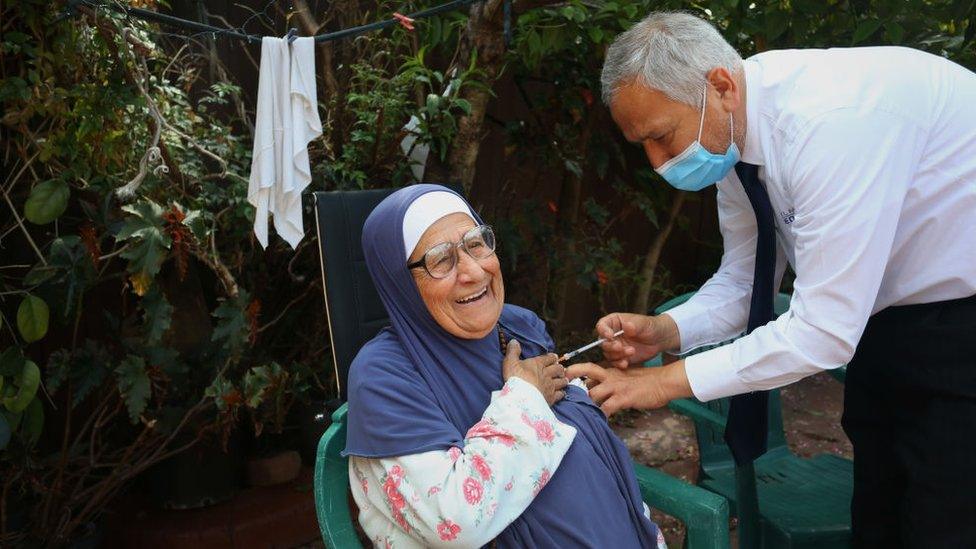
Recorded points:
(167, 360)
(134, 385)
(256, 380)
(225, 395)
(232, 326)
(32, 318)
(27, 383)
(58, 367)
(197, 223)
(157, 313)
(894, 32)
(73, 271)
(865, 29)
(88, 370)
(11, 362)
(145, 228)
(47, 202)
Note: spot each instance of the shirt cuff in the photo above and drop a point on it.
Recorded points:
(712, 375)
(694, 325)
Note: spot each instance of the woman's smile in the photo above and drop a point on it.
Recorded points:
(473, 298)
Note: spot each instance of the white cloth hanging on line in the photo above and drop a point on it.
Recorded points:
(287, 119)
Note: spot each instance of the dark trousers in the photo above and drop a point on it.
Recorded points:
(910, 411)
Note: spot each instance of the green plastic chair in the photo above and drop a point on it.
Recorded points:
(781, 500)
(350, 296)
(705, 515)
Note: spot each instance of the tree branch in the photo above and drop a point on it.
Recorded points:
(653, 256)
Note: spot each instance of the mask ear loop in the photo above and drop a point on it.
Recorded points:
(731, 130)
(701, 123)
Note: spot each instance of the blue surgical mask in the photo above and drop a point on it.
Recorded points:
(696, 168)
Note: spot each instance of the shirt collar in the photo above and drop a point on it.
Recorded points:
(753, 151)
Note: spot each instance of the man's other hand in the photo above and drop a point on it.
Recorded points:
(643, 388)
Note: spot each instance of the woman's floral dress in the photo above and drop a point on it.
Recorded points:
(465, 497)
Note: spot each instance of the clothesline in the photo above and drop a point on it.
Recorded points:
(157, 17)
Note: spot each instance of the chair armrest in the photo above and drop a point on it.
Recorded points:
(704, 514)
(698, 413)
(331, 486)
(339, 416)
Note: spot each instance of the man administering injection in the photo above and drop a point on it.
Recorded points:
(857, 167)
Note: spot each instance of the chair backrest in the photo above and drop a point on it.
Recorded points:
(353, 308)
(714, 452)
(355, 314)
(354, 311)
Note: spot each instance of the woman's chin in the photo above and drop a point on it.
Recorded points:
(477, 322)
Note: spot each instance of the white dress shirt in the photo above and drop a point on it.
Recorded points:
(869, 159)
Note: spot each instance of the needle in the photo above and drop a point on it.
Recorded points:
(587, 347)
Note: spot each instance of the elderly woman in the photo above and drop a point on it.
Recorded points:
(457, 437)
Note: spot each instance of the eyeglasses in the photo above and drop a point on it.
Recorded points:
(440, 260)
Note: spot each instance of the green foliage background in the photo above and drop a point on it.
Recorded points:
(130, 322)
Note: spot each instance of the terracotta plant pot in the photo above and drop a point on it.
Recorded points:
(276, 469)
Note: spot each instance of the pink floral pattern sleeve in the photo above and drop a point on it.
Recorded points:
(464, 497)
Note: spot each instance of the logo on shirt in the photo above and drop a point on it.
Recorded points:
(788, 216)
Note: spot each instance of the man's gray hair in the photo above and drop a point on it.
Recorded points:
(668, 51)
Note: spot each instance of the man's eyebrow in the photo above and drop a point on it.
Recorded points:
(648, 128)
(640, 138)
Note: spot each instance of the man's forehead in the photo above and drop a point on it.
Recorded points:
(638, 109)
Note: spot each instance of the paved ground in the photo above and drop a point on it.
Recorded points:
(662, 439)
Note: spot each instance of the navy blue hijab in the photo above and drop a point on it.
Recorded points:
(416, 388)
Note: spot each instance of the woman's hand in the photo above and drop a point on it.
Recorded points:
(543, 372)
(643, 338)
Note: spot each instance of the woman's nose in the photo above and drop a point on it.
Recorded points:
(468, 269)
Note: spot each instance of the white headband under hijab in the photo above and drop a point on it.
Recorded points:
(425, 211)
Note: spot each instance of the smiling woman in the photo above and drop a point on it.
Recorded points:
(462, 427)
(463, 291)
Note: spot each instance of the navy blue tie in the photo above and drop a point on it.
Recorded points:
(745, 429)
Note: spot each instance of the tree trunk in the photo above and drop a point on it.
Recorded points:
(566, 218)
(483, 36)
(653, 256)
